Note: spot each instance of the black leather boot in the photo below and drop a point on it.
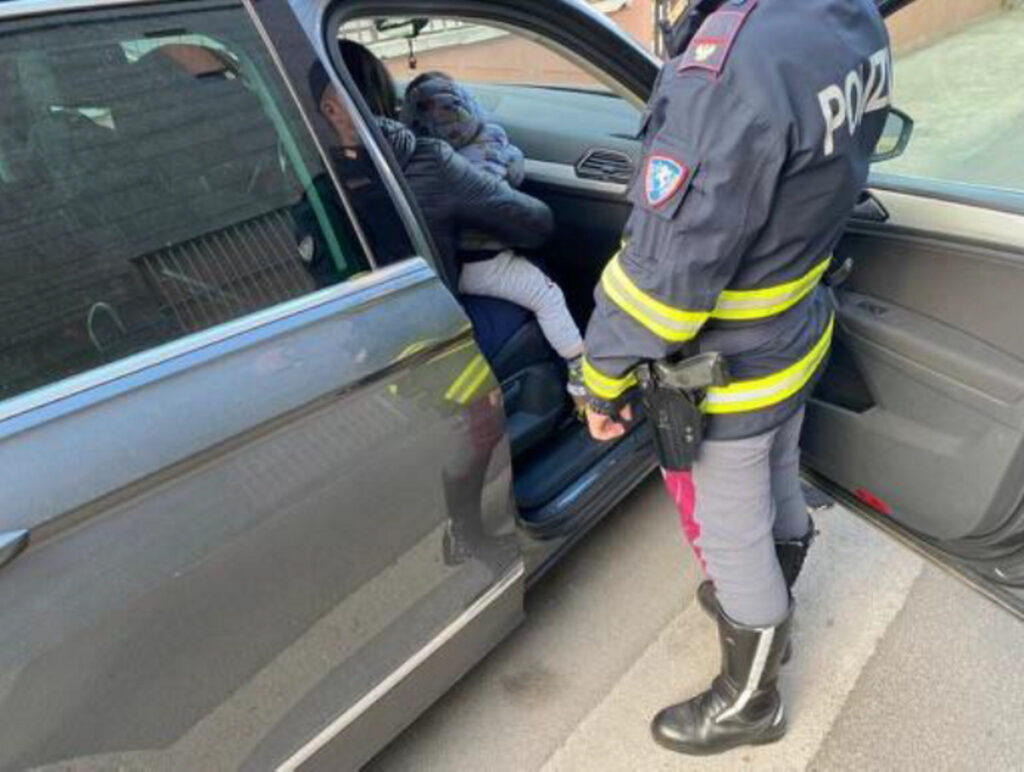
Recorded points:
(791, 555)
(743, 705)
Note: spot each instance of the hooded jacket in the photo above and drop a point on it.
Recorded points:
(454, 194)
(436, 106)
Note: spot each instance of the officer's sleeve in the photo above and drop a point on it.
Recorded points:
(706, 188)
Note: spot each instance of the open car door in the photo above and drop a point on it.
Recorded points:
(921, 414)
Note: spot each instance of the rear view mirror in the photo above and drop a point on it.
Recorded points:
(895, 136)
(401, 27)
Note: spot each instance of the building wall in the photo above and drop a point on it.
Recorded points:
(512, 59)
(926, 21)
(507, 59)
(637, 18)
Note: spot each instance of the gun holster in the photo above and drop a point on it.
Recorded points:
(672, 392)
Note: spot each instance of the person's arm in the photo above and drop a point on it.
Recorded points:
(706, 188)
(480, 200)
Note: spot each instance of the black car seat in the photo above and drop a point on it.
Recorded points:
(531, 374)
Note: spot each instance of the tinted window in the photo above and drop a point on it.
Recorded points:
(156, 179)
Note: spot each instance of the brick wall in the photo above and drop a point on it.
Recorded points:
(513, 59)
(637, 18)
(926, 21)
(507, 59)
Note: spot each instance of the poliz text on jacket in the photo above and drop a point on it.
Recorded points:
(847, 104)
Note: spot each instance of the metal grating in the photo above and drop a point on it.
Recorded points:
(229, 273)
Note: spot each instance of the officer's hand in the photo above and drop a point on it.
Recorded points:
(604, 428)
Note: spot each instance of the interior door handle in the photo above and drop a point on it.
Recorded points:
(870, 208)
(11, 545)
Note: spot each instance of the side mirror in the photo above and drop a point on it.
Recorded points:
(895, 136)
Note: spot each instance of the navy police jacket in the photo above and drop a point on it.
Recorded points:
(756, 143)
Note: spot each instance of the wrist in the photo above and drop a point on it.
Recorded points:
(608, 407)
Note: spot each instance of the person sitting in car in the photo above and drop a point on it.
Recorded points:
(436, 106)
(454, 194)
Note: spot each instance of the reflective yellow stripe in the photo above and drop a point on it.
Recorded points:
(744, 396)
(604, 386)
(415, 348)
(469, 380)
(736, 305)
(474, 386)
(672, 324)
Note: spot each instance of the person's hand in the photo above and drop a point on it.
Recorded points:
(604, 428)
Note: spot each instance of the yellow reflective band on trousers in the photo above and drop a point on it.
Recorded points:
(759, 393)
(675, 325)
(469, 381)
(604, 386)
(740, 305)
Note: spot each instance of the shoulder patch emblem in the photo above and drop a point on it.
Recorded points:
(704, 51)
(711, 45)
(665, 176)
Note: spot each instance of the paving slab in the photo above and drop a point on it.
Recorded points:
(854, 585)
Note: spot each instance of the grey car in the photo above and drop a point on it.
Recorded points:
(259, 517)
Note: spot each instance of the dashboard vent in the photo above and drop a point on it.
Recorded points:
(606, 166)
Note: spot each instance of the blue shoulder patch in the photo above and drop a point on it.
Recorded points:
(710, 47)
(665, 176)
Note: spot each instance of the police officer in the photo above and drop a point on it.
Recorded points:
(757, 142)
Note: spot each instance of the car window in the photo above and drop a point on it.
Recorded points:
(156, 179)
(467, 51)
(957, 72)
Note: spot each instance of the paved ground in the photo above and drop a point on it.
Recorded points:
(965, 97)
(898, 665)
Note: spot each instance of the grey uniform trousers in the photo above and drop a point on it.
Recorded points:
(741, 497)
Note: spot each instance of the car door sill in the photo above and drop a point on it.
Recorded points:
(504, 585)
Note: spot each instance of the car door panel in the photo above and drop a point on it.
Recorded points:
(923, 407)
(235, 485)
(262, 496)
(271, 510)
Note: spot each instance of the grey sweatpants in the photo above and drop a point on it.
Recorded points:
(741, 497)
(513, 278)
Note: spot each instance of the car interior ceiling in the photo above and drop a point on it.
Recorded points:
(550, 445)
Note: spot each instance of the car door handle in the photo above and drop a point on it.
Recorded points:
(11, 545)
(870, 208)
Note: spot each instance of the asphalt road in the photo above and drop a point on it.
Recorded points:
(898, 665)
